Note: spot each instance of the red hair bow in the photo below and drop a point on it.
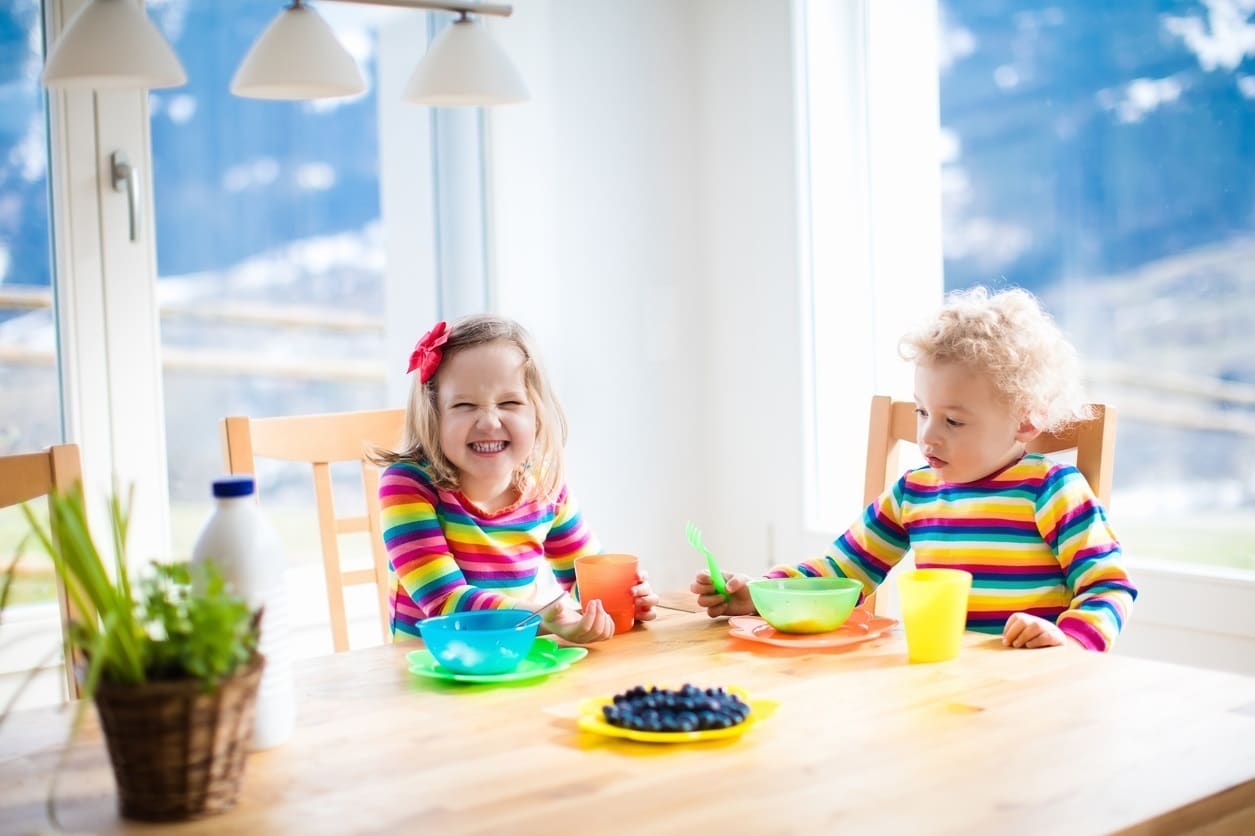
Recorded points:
(427, 353)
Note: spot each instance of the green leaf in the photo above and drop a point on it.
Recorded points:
(180, 621)
(10, 572)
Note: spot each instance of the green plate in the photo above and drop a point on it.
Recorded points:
(545, 658)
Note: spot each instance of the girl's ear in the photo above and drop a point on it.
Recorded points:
(1026, 431)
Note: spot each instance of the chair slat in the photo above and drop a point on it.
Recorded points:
(25, 477)
(321, 440)
(28, 476)
(357, 577)
(893, 422)
(352, 525)
(339, 437)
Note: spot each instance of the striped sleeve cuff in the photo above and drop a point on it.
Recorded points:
(1083, 633)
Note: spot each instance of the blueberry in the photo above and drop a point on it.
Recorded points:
(684, 709)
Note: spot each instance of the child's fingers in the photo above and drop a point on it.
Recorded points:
(1015, 625)
(1030, 631)
(701, 584)
(710, 599)
(1043, 639)
(595, 625)
(734, 583)
(646, 601)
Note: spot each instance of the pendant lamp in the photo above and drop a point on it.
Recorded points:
(111, 44)
(298, 57)
(465, 66)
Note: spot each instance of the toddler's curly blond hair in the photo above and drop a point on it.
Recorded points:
(1007, 336)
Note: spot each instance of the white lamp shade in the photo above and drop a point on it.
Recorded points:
(465, 66)
(298, 57)
(111, 44)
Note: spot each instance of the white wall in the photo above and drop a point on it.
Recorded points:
(594, 239)
(642, 225)
(751, 283)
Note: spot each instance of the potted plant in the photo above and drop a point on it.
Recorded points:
(170, 662)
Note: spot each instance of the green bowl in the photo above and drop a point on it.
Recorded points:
(805, 605)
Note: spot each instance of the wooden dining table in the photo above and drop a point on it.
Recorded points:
(997, 741)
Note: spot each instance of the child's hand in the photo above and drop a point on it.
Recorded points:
(646, 600)
(592, 625)
(1024, 630)
(738, 602)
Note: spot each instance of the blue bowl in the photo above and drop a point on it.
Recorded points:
(483, 642)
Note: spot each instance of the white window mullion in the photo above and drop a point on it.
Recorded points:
(106, 299)
(77, 288)
(406, 200)
(132, 323)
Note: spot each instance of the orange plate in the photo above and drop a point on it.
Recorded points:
(860, 627)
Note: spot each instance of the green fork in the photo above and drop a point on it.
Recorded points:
(694, 535)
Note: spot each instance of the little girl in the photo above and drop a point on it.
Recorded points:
(992, 372)
(474, 503)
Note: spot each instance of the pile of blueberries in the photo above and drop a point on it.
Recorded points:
(685, 709)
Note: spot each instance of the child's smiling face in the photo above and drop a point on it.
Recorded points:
(965, 431)
(487, 420)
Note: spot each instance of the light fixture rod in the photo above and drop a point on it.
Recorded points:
(463, 8)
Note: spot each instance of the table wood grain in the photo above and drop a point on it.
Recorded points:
(997, 741)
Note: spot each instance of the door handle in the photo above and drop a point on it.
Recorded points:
(126, 178)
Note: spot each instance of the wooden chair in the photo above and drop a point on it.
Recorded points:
(30, 476)
(321, 440)
(893, 423)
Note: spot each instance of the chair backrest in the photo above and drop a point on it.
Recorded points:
(893, 422)
(28, 476)
(321, 440)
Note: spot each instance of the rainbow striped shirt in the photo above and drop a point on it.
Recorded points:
(1033, 535)
(446, 555)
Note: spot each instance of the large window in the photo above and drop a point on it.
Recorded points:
(1100, 155)
(287, 256)
(30, 411)
(30, 407)
(297, 253)
(271, 268)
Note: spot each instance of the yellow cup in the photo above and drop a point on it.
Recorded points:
(934, 612)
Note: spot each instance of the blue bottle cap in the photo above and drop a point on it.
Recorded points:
(229, 486)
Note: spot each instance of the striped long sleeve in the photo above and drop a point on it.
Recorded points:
(1033, 536)
(446, 555)
(1074, 525)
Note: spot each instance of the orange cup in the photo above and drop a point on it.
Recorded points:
(609, 578)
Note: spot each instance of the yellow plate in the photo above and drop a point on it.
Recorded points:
(592, 720)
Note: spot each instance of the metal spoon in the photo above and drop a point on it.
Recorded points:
(536, 612)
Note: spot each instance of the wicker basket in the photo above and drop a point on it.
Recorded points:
(178, 752)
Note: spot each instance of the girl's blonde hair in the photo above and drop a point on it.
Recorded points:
(1011, 339)
(543, 475)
